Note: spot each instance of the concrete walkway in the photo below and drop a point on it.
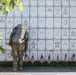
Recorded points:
(40, 71)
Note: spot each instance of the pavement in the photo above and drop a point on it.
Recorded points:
(40, 71)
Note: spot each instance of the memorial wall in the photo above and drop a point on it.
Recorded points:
(52, 28)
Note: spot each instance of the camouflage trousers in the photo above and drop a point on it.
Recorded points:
(17, 54)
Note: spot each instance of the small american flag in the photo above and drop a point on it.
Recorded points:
(73, 57)
(42, 59)
(65, 58)
(49, 59)
(26, 58)
(57, 60)
(32, 59)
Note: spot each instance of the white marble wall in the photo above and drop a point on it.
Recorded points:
(52, 26)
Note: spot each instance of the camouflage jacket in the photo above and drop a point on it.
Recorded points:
(25, 38)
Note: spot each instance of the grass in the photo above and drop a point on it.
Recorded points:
(38, 64)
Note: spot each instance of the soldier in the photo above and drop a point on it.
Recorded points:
(19, 43)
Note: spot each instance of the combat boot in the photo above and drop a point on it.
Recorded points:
(14, 69)
(20, 68)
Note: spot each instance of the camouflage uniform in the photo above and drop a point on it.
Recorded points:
(18, 50)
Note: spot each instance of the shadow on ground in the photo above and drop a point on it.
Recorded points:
(40, 69)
